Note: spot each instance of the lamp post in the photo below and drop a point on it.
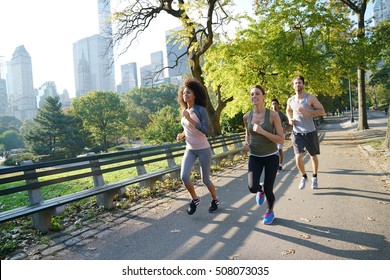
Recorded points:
(350, 100)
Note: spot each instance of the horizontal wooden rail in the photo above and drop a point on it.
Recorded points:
(31, 177)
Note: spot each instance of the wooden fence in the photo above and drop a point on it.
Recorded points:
(37, 178)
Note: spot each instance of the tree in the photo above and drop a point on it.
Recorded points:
(359, 8)
(200, 20)
(141, 102)
(9, 123)
(164, 126)
(103, 115)
(287, 38)
(381, 75)
(359, 45)
(11, 139)
(52, 133)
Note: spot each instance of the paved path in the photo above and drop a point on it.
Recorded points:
(347, 218)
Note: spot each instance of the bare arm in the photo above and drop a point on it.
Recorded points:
(289, 112)
(247, 135)
(318, 108)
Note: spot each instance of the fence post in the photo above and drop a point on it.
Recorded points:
(105, 199)
(171, 163)
(224, 146)
(41, 220)
(141, 170)
(239, 145)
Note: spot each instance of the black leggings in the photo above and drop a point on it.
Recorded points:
(255, 169)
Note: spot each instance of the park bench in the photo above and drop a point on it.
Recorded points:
(32, 177)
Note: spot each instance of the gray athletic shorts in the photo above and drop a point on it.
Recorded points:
(308, 141)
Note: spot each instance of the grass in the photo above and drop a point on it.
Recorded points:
(377, 143)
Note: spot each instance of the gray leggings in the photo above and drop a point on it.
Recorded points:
(188, 161)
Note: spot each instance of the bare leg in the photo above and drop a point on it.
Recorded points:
(280, 156)
(191, 189)
(300, 164)
(213, 192)
(314, 162)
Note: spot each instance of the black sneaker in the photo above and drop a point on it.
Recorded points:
(192, 207)
(214, 206)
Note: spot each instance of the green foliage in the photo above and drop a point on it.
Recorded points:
(164, 126)
(53, 133)
(286, 39)
(141, 102)
(381, 43)
(9, 123)
(11, 139)
(232, 125)
(22, 155)
(103, 115)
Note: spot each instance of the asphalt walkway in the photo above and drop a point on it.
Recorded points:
(346, 218)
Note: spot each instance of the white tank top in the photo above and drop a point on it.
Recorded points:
(303, 123)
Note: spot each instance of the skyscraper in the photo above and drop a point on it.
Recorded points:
(381, 10)
(146, 75)
(157, 64)
(129, 76)
(176, 55)
(3, 98)
(104, 11)
(23, 102)
(47, 89)
(93, 57)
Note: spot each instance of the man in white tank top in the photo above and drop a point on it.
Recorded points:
(301, 108)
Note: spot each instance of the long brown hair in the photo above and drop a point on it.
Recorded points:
(197, 88)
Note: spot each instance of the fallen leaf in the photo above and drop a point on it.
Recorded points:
(288, 252)
(382, 202)
(305, 236)
(233, 257)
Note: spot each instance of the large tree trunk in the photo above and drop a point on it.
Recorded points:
(360, 10)
(214, 115)
(362, 123)
(196, 71)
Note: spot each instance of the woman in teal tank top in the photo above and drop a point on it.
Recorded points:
(263, 131)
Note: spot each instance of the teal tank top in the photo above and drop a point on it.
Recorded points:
(260, 145)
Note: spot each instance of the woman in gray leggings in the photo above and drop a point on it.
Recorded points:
(192, 98)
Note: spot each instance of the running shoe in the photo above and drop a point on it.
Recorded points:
(268, 217)
(314, 183)
(302, 184)
(260, 198)
(192, 207)
(214, 206)
(280, 168)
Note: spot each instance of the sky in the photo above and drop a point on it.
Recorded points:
(48, 29)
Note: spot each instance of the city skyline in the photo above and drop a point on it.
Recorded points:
(44, 40)
(46, 29)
